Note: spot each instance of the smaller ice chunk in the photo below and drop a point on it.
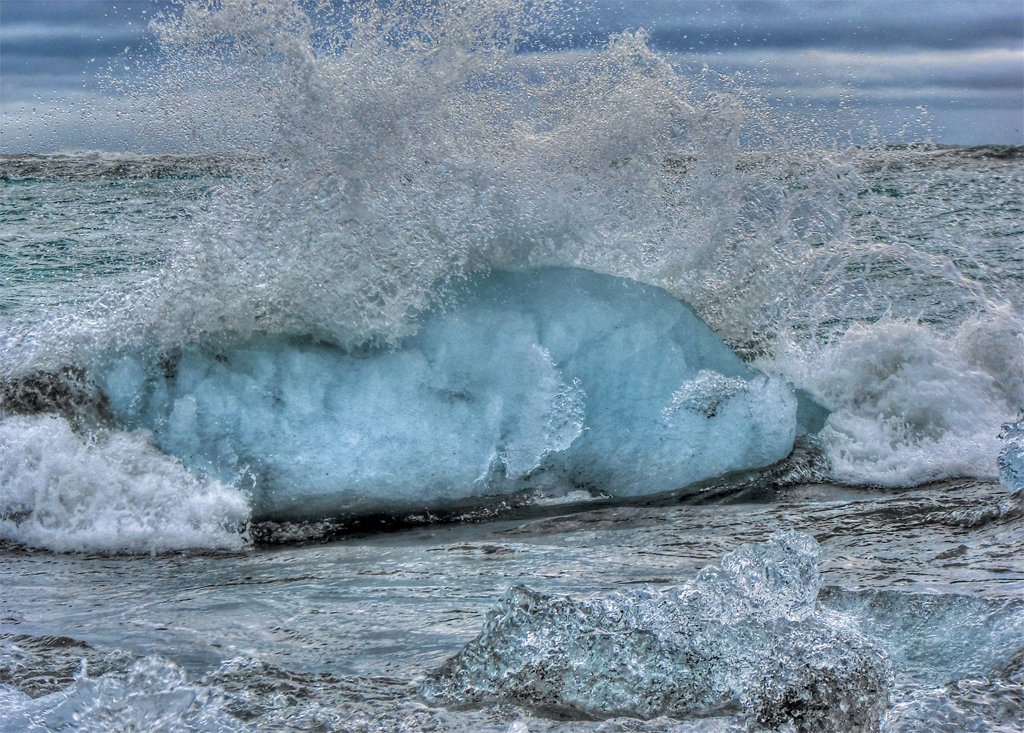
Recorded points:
(776, 580)
(1011, 459)
(743, 638)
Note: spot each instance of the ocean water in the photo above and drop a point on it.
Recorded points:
(441, 386)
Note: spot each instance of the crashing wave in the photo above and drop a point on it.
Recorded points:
(555, 378)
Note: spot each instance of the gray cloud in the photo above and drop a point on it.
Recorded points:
(865, 26)
(956, 58)
(700, 26)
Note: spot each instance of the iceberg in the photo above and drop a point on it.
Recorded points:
(743, 638)
(556, 379)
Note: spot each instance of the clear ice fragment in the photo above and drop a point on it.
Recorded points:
(1011, 459)
(742, 638)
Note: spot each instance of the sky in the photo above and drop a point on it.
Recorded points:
(907, 70)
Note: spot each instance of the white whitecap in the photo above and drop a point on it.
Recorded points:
(108, 492)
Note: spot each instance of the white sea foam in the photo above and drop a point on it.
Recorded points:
(911, 405)
(110, 491)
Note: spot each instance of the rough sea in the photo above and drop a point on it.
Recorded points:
(454, 388)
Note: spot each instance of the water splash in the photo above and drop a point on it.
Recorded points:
(409, 150)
